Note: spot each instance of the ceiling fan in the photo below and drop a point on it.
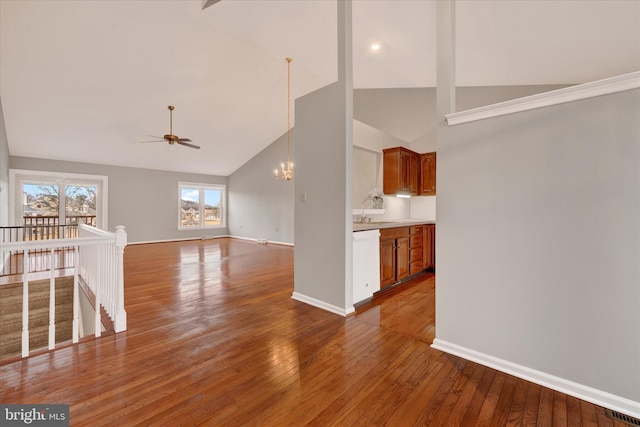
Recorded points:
(171, 138)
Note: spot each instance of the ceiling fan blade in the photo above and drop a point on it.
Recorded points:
(155, 140)
(186, 144)
(184, 139)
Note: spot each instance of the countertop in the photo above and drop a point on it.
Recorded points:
(376, 225)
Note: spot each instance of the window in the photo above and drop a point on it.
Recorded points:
(201, 206)
(58, 199)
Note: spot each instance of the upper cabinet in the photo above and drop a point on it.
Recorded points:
(400, 171)
(427, 174)
(407, 172)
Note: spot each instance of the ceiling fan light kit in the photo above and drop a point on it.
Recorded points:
(173, 139)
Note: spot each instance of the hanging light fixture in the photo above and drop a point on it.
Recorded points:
(286, 171)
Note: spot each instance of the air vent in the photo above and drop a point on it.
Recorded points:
(622, 417)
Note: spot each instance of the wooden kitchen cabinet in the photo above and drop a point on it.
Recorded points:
(429, 254)
(401, 171)
(427, 174)
(416, 250)
(387, 262)
(406, 252)
(394, 255)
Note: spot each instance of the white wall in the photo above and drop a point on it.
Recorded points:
(367, 170)
(539, 241)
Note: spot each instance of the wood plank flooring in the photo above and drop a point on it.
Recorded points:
(215, 339)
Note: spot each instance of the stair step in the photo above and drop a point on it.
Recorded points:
(38, 298)
(37, 317)
(11, 344)
(11, 314)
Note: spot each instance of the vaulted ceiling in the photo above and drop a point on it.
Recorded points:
(88, 80)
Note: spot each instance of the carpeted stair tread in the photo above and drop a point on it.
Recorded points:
(11, 314)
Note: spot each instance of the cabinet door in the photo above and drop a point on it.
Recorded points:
(428, 174)
(429, 246)
(414, 174)
(401, 171)
(402, 258)
(391, 167)
(405, 171)
(387, 262)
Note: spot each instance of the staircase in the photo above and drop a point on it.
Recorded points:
(11, 315)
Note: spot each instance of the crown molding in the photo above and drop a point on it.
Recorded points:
(546, 99)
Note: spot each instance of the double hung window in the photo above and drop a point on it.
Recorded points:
(201, 206)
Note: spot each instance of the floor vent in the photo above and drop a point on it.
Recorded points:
(622, 417)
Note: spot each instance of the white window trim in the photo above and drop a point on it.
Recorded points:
(18, 176)
(203, 186)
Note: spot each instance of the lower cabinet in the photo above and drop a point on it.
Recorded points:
(416, 251)
(394, 255)
(405, 252)
(429, 252)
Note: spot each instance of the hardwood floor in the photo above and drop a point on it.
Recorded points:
(214, 338)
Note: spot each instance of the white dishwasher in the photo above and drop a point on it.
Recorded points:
(366, 264)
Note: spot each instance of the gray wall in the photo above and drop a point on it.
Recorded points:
(321, 173)
(260, 206)
(323, 231)
(4, 172)
(410, 113)
(539, 240)
(145, 201)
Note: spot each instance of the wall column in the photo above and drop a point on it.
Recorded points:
(323, 185)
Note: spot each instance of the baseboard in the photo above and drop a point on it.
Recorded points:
(323, 305)
(269, 242)
(183, 239)
(589, 394)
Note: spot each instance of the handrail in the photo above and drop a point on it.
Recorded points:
(52, 243)
(101, 267)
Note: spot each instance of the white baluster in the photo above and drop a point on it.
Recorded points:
(25, 303)
(76, 296)
(98, 291)
(52, 300)
(120, 323)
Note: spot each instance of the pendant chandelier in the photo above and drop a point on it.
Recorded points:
(286, 171)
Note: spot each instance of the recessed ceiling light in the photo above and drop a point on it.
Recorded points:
(375, 46)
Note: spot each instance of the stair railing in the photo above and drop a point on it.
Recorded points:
(98, 259)
(101, 268)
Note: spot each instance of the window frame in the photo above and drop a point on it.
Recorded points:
(17, 177)
(202, 187)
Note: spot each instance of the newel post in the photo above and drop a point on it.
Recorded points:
(120, 323)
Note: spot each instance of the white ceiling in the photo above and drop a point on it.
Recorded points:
(87, 80)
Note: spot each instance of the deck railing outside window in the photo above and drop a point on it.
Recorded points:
(41, 228)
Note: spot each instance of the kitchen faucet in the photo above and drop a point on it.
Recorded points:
(363, 217)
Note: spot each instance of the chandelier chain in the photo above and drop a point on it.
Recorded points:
(289, 110)
(286, 172)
